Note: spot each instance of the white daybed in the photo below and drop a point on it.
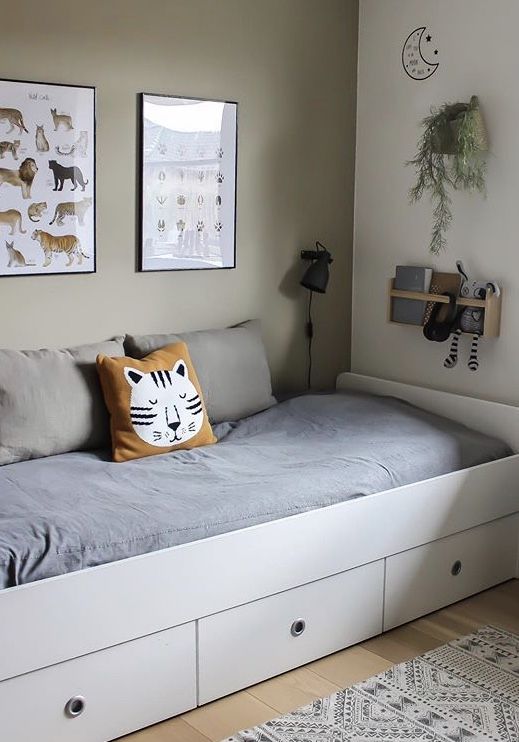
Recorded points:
(94, 654)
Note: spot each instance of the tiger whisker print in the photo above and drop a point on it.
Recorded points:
(165, 407)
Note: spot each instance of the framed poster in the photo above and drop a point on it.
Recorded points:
(47, 178)
(188, 183)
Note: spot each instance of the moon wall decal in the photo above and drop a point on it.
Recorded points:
(413, 61)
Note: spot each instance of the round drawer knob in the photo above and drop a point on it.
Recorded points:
(298, 627)
(75, 706)
(456, 568)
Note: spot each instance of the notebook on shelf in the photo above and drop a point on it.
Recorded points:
(442, 283)
(410, 278)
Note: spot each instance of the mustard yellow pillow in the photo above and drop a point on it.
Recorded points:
(155, 404)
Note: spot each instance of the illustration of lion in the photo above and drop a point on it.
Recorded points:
(23, 177)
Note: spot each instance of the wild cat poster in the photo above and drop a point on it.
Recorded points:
(47, 178)
(188, 183)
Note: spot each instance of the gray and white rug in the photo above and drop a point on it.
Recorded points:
(465, 691)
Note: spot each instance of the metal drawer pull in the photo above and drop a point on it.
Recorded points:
(298, 627)
(75, 706)
(456, 568)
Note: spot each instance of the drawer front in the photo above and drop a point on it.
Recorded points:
(244, 645)
(124, 688)
(429, 577)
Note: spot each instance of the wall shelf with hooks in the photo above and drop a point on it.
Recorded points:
(491, 305)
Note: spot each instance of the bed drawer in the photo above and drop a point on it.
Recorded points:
(429, 577)
(124, 688)
(244, 645)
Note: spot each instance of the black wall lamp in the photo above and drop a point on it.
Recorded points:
(317, 274)
(315, 279)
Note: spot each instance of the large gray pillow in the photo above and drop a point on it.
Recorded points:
(51, 401)
(231, 366)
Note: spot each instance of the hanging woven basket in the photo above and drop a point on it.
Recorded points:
(447, 140)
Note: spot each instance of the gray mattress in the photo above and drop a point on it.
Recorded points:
(77, 510)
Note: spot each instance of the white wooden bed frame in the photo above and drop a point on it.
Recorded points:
(95, 654)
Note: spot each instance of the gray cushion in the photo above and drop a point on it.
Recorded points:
(51, 401)
(231, 365)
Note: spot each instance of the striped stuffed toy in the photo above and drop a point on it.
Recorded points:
(452, 358)
(471, 319)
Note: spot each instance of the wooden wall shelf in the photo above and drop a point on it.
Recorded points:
(491, 305)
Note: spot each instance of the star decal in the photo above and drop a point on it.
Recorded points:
(428, 38)
(436, 51)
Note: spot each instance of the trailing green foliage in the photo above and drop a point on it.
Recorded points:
(449, 157)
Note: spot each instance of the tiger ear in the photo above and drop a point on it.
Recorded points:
(132, 376)
(180, 368)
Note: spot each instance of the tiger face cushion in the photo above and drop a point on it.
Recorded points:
(155, 404)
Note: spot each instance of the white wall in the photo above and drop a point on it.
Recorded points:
(478, 49)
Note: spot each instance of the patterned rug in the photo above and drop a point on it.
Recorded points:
(464, 691)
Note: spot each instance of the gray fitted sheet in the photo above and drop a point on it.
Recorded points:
(77, 510)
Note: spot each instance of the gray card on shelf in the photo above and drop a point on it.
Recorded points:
(410, 278)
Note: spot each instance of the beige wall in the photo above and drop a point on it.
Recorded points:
(291, 65)
(478, 55)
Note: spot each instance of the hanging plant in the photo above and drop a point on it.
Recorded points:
(449, 158)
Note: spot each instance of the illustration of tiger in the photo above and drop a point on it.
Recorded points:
(80, 147)
(36, 211)
(71, 208)
(11, 147)
(165, 407)
(16, 258)
(14, 118)
(23, 177)
(12, 218)
(68, 245)
(42, 144)
(61, 119)
(61, 174)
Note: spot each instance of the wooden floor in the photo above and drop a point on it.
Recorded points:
(499, 606)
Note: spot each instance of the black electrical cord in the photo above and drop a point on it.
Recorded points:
(312, 255)
(310, 336)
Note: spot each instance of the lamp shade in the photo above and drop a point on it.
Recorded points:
(316, 275)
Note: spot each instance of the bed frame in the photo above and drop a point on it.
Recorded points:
(92, 655)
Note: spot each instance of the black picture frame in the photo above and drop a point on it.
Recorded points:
(92, 158)
(193, 262)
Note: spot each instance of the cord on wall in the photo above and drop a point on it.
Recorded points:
(315, 279)
(310, 337)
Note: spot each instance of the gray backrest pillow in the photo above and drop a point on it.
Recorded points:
(231, 365)
(51, 401)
